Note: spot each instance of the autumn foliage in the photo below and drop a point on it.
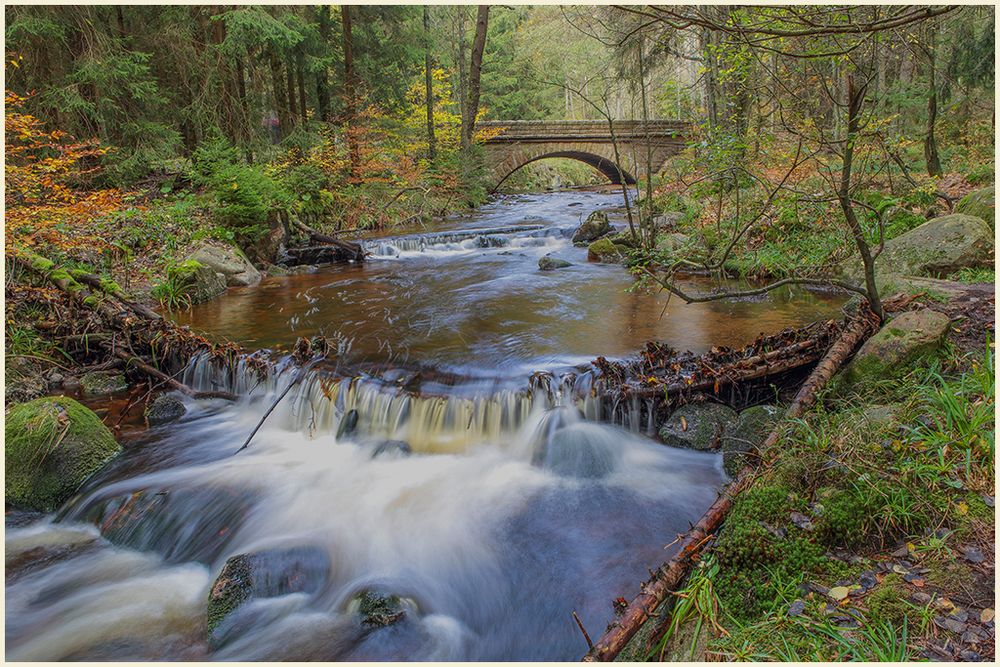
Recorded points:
(50, 199)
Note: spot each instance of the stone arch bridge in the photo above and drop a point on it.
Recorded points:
(512, 144)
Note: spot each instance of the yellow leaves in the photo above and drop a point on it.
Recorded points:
(962, 508)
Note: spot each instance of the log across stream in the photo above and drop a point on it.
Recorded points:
(457, 451)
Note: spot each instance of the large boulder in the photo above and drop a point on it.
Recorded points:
(548, 263)
(52, 445)
(938, 247)
(742, 438)
(593, 228)
(668, 222)
(199, 282)
(892, 351)
(228, 261)
(980, 204)
(697, 426)
(265, 574)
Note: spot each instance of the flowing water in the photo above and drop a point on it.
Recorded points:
(432, 463)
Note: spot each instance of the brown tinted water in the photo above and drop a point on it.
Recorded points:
(469, 297)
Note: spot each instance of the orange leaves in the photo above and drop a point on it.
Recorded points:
(46, 173)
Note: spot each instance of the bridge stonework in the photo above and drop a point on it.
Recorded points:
(512, 144)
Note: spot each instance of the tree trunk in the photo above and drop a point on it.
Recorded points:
(300, 66)
(930, 142)
(463, 68)
(429, 84)
(293, 112)
(855, 104)
(349, 89)
(475, 70)
(322, 82)
(280, 103)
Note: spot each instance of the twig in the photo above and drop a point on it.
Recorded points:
(579, 624)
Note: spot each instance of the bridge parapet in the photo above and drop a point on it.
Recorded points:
(536, 131)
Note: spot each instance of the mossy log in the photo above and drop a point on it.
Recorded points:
(133, 327)
(669, 575)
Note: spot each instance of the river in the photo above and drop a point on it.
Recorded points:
(492, 499)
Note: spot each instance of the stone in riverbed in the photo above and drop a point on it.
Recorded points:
(265, 574)
(604, 251)
(52, 445)
(164, 409)
(549, 263)
(595, 227)
(893, 350)
(97, 383)
(392, 449)
(229, 261)
(377, 608)
(697, 426)
(199, 282)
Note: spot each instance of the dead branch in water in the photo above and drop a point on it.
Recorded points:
(669, 575)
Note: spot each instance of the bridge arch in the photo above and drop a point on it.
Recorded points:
(601, 163)
(509, 145)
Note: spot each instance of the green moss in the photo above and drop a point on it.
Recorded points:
(603, 250)
(888, 601)
(52, 445)
(231, 589)
(845, 519)
(185, 270)
(103, 383)
(91, 301)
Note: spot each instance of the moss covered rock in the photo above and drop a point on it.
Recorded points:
(938, 248)
(52, 445)
(229, 261)
(603, 250)
(744, 436)
(103, 383)
(549, 263)
(198, 281)
(262, 575)
(893, 350)
(697, 426)
(980, 204)
(593, 228)
(379, 608)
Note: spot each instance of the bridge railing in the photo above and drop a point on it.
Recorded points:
(575, 130)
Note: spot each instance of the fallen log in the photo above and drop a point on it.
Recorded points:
(128, 325)
(338, 250)
(670, 574)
